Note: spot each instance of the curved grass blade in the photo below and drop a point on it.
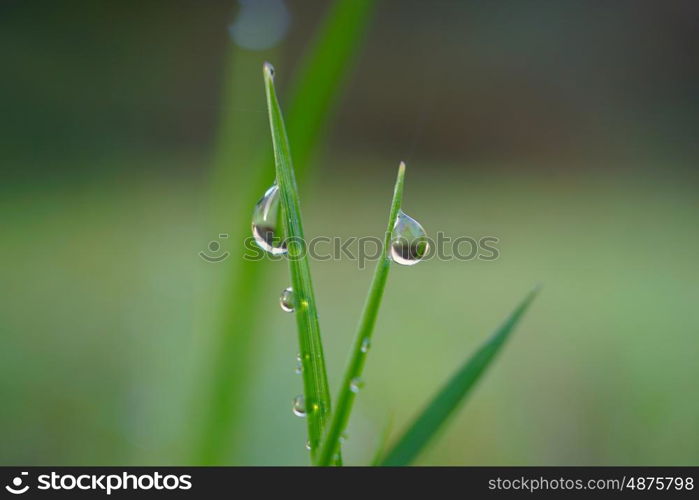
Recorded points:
(383, 444)
(317, 84)
(334, 49)
(355, 365)
(315, 381)
(453, 393)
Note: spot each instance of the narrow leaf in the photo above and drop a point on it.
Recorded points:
(453, 393)
(315, 382)
(241, 165)
(322, 73)
(382, 444)
(355, 365)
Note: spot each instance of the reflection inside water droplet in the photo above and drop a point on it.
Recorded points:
(408, 242)
(264, 223)
(286, 300)
(366, 344)
(356, 384)
(299, 406)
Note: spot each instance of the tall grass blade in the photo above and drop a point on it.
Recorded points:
(382, 444)
(453, 393)
(321, 75)
(315, 381)
(229, 360)
(355, 365)
(242, 165)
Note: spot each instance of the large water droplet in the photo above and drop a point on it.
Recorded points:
(366, 344)
(264, 223)
(356, 384)
(408, 242)
(286, 300)
(299, 406)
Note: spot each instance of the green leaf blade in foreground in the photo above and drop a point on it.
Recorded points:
(241, 164)
(355, 365)
(315, 381)
(453, 393)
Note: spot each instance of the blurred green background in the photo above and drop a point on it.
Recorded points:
(566, 129)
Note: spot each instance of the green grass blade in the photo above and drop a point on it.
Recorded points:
(355, 365)
(315, 381)
(323, 71)
(453, 393)
(230, 359)
(241, 165)
(382, 444)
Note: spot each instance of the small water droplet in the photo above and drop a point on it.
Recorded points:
(299, 406)
(408, 242)
(356, 384)
(299, 365)
(269, 69)
(286, 300)
(264, 223)
(366, 344)
(343, 437)
(308, 445)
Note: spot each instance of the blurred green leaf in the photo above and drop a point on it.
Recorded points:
(382, 444)
(453, 393)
